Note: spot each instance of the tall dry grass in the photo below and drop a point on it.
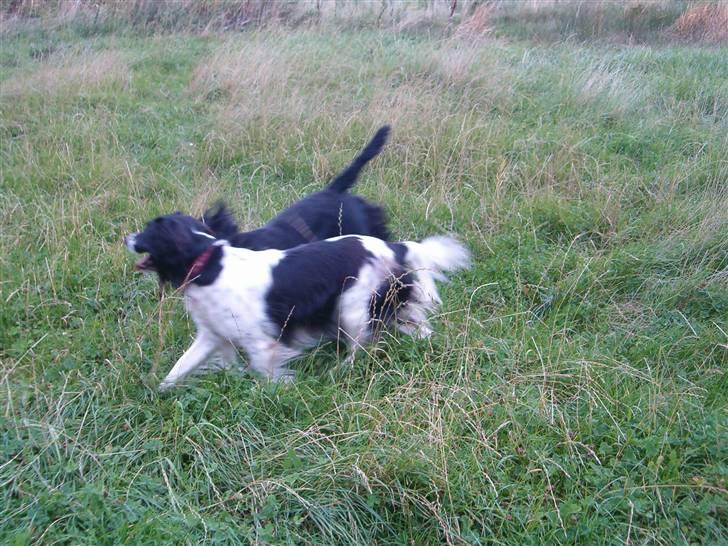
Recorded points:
(64, 73)
(154, 14)
(553, 20)
(259, 87)
(705, 22)
(479, 23)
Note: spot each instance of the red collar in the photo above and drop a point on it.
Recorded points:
(199, 264)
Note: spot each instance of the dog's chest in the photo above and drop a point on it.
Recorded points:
(227, 314)
(233, 307)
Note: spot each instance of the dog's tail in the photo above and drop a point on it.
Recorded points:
(430, 259)
(347, 178)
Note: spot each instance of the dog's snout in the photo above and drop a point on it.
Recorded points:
(130, 241)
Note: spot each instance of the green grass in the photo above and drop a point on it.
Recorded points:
(574, 391)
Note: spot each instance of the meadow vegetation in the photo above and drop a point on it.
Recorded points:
(575, 390)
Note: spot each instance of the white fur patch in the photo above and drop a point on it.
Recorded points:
(130, 241)
(196, 232)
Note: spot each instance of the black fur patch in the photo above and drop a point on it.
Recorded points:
(394, 292)
(308, 282)
(220, 222)
(320, 216)
(400, 252)
(391, 296)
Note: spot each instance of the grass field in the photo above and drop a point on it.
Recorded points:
(575, 390)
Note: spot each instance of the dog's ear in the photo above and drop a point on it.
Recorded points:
(219, 221)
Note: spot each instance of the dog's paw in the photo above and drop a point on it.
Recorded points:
(284, 375)
(164, 386)
(418, 331)
(347, 362)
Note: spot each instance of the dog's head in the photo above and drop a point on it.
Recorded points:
(171, 243)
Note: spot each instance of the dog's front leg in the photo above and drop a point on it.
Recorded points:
(202, 347)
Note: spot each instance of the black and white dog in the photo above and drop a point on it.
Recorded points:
(327, 213)
(275, 303)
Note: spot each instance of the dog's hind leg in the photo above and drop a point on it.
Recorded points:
(413, 317)
(412, 320)
(202, 347)
(356, 329)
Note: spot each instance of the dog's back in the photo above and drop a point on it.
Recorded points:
(327, 213)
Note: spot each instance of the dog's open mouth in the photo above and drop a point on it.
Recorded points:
(145, 264)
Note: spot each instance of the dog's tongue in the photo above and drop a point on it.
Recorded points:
(145, 264)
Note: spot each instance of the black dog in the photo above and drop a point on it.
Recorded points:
(327, 213)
